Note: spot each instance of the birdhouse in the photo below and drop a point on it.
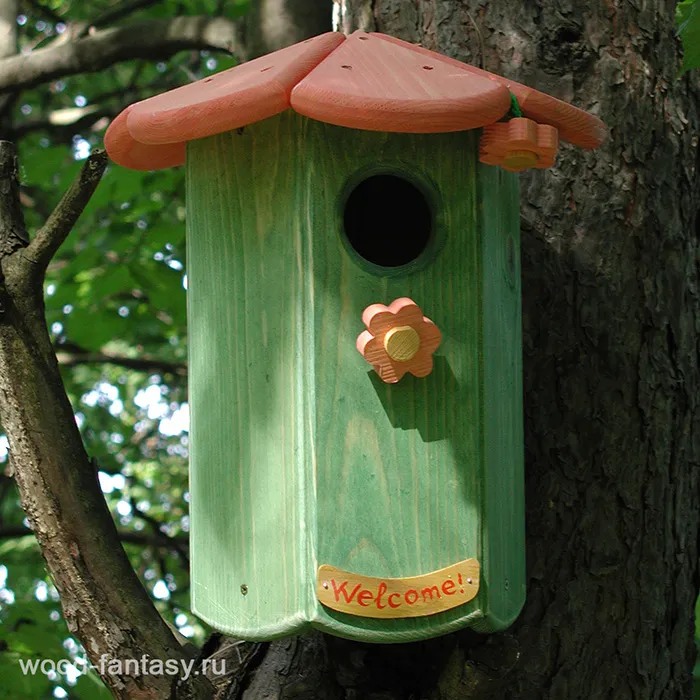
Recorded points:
(354, 334)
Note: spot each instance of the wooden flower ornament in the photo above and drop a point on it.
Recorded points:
(398, 339)
(519, 144)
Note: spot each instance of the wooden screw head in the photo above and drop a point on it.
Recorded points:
(402, 343)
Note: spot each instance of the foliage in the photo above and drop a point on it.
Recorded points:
(117, 289)
(688, 18)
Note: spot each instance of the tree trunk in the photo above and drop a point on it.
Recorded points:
(611, 309)
(273, 24)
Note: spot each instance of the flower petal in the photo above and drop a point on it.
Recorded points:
(362, 340)
(373, 310)
(375, 353)
(422, 364)
(390, 373)
(430, 336)
(409, 315)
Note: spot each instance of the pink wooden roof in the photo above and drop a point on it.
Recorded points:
(367, 81)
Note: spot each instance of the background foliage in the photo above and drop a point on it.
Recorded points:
(688, 18)
(116, 309)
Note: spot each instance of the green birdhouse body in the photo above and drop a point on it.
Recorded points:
(356, 452)
(300, 455)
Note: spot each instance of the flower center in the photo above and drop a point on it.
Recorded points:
(402, 343)
(520, 160)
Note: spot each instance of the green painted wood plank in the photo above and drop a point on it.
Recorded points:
(397, 465)
(503, 516)
(246, 398)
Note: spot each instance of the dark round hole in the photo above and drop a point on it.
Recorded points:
(387, 220)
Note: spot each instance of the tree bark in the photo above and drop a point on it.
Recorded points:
(274, 24)
(611, 311)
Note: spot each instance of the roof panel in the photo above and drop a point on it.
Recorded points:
(233, 98)
(575, 125)
(125, 150)
(371, 84)
(369, 81)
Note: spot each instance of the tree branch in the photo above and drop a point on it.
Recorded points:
(13, 233)
(155, 39)
(159, 539)
(8, 27)
(141, 364)
(156, 526)
(63, 129)
(51, 235)
(103, 601)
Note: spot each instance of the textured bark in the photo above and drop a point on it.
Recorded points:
(274, 24)
(611, 314)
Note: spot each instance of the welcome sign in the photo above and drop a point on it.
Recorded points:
(415, 596)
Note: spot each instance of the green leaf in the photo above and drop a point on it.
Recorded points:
(688, 18)
(18, 546)
(90, 687)
(16, 685)
(28, 630)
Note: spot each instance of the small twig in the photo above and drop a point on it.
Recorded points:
(51, 235)
(142, 364)
(47, 11)
(114, 14)
(141, 538)
(63, 132)
(156, 525)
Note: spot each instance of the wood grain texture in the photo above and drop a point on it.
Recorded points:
(368, 83)
(402, 343)
(249, 396)
(392, 598)
(502, 552)
(126, 151)
(300, 455)
(575, 125)
(233, 98)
